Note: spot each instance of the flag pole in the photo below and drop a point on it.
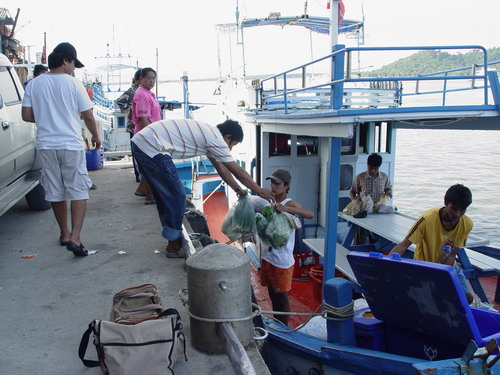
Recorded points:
(334, 23)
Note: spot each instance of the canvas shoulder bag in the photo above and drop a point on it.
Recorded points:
(136, 304)
(150, 347)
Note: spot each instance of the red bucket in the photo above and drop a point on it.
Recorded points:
(316, 274)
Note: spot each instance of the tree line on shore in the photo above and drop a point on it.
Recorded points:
(424, 62)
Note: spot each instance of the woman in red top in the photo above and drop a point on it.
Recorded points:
(145, 110)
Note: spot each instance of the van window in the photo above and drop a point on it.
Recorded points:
(9, 91)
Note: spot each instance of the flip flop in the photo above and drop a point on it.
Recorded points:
(63, 243)
(78, 250)
(148, 203)
(140, 195)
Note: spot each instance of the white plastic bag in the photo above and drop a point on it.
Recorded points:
(353, 207)
(384, 205)
(367, 204)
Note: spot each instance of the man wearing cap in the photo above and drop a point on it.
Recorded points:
(276, 266)
(55, 101)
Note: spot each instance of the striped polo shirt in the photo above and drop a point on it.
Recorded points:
(182, 139)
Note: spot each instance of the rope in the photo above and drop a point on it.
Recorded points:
(338, 314)
(183, 293)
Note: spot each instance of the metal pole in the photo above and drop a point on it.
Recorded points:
(334, 24)
(185, 90)
(235, 351)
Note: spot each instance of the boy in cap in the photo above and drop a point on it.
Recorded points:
(276, 266)
(55, 101)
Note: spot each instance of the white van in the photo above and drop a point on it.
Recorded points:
(20, 171)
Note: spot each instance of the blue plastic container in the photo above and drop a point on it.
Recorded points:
(423, 306)
(95, 159)
(369, 333)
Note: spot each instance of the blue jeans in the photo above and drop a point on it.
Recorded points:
(462, 279)
(161, 174)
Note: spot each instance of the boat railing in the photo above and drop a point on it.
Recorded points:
(276, 92)
(99, 98)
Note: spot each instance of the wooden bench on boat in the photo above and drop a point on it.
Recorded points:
(390, 229)
(317, 245)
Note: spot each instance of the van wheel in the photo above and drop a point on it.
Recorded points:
(36, 199)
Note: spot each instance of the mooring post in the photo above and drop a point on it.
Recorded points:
(338, 294)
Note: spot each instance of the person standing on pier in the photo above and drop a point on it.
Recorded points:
(55, 101)
(155, 147)
(124, 102)
(145, 110)
(276, 266)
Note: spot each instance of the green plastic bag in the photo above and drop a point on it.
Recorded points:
(261, 224)
(244, 216)
(228, 227)
(279, 229)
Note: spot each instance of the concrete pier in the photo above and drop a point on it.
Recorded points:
(47, 301)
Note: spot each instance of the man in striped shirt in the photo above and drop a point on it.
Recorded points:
(155, 147)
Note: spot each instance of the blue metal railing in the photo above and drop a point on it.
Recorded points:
(338, 78)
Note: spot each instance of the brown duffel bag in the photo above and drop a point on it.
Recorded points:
(136, 304)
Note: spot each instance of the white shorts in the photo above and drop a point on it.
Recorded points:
(65, 175)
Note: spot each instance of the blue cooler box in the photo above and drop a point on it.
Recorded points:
(369, 332)
(422, 305)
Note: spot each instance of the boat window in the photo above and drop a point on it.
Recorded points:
(307, 146)
(346, 175)
(349, 144)
(279, 144)
(121, 121)
(381, 137)
(9, 91)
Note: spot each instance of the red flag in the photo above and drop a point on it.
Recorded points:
(341, 9)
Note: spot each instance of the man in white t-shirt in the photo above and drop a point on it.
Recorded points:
(154, 149)
(55, 101)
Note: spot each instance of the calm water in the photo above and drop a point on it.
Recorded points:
(429, 161)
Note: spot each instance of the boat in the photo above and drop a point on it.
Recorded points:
(323, 136)
(323, 133)
(110, 81)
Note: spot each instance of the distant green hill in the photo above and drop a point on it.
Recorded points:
(434, 61)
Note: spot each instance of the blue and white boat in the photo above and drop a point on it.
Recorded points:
(323, 135)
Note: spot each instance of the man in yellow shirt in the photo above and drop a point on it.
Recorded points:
(440, 232)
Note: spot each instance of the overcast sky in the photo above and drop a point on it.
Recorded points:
(184, 31)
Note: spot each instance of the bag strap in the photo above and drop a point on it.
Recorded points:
(84, 344)
(168, 312)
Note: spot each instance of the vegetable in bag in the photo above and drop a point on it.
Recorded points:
(278, 230)
(244, 216)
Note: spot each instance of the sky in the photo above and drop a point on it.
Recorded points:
(180, 36)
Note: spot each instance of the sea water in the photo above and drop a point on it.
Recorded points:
(430, 161)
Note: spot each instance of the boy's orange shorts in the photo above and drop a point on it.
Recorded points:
(280, 279)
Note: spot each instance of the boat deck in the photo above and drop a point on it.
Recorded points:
(302, 296)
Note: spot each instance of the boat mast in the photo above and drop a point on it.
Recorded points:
(334, 23)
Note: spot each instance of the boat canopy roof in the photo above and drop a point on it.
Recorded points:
(115, 67)
(317, 24)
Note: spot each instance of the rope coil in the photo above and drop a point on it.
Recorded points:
(183, 296)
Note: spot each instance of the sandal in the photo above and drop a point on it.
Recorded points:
(63, 243)
(178, 253)
(148, 203)
(78, 250)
